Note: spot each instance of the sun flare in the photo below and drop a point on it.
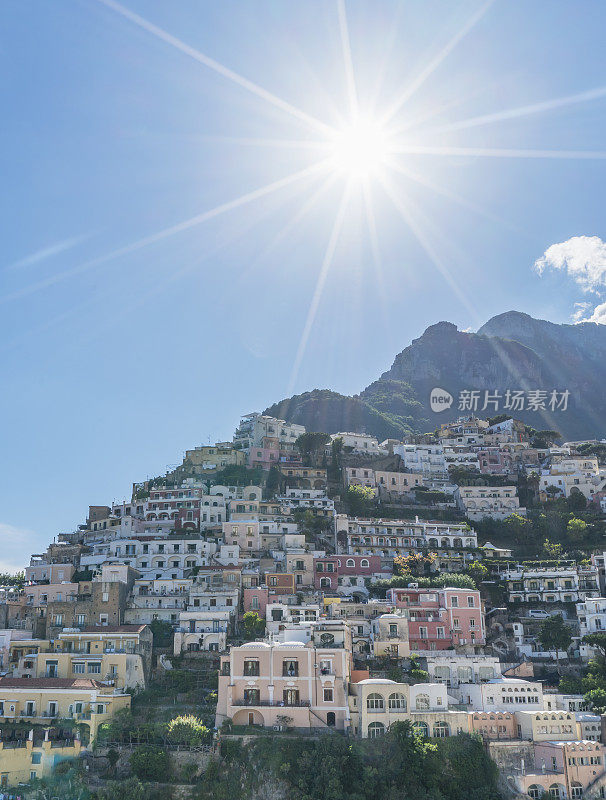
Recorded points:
(360, 149)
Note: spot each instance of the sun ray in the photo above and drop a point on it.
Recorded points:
(524, 111)
(407, 215)
(498, 152)
(246, 141)
(290, 225)
(317, 295)
(347, 59)
(179, 227)
(374, 243)
(456, 198)
(435, 62)
(220, 69)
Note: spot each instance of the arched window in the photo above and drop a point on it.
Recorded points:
(375, 702)
(535, 791)
(576, 790)
(420, 728)
(376, 729)
(364, 562)
(555, 790)
(441, 730)
(350, 563)
(397, 702)
(324, 583)
(422, 702)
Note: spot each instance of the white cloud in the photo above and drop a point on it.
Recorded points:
(47, 252)
(598, 315)
(15, 546)
(582, 257)
(580, 309)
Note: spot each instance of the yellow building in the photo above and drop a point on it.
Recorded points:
(25, 760)
(119, 655)
(217, 456)
(44, 700)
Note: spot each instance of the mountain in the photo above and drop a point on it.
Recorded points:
(512, 352)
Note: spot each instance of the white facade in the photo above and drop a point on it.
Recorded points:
(497, 502)
(502, 694)
(359, 442)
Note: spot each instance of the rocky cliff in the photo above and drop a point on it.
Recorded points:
(514, 363)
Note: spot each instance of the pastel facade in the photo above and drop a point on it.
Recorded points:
(496, 502)
(294, 683)
(439, 619)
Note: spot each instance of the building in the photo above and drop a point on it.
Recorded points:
(376, 703)
(591, 614)
(358, 442)
(439, 619)
(425, 459)
(213, 457)
(25, 760)
(565, 584)
(296, 683)
(502, 694)
(43, 700)
(389, 636)
(267, 441)
(496, 502)
(456, 669)
(205, 629)
(562, 769)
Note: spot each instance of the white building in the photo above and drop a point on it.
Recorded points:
(502, 694)
(359, 442)
(565, 584)
(427, 459)
(255, 428)
(496, 502)
(591, 614)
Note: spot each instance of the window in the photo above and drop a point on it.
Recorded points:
(422, 702)
(420, 728)
(328, 695)
(471, 601)
(36, 758)
(441, 730)
(454, 602)
(251, 667)
(397, 702)
(94, 667)
(375, 702)
(376, 729)
(423, 632)
(290, 668)
(81, 619)
(291, 697)
(79, 668)
(251, 697)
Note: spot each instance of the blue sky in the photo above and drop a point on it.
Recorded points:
(121, 348)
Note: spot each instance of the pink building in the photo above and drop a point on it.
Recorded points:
(494, 461)
(329, 569)
(441, 618)
(292, 684)
(564, 770)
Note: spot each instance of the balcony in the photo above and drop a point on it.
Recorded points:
(266, 703)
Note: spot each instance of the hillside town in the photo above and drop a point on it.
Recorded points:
(291, 583)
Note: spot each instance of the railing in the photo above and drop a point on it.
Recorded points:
(272, 704)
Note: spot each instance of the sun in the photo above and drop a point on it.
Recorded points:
(359, 149)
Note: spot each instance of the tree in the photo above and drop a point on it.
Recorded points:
(113, 756)
(597, 641)
(150, 763)
(576, 528)
(311, 445)
(132, 789)
(596, 699)
(414, 564)
(553, 550)
(359, 501)
(253, 624)
(555, 636)
(187, 729)
(478, 572)
(576, 500)
(162, 632)
(274, 481)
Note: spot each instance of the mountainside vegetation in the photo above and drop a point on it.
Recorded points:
(511, 351)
